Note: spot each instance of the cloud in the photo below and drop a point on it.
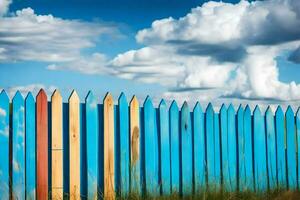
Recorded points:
(27, 36)
(295, 56)
(2, 112)
(33, 88)
(4, 4)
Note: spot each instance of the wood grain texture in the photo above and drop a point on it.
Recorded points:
(74, 146)
(56, 146)
(42, 144)
(135, 145)
(109, 149)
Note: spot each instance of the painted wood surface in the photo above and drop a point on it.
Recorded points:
(198, 148)
(109, 149)
(217, 152)
(4, 145)
(135, 153)
(18, 147)
(186, 150)
(241, 149)
(151, 149)
(298, 141)
(291, 148)
(30, 140)
(165, 174)
(74, 146)
(124, 138)
(174, 147)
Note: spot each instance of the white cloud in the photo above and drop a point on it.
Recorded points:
(4, 4)
(33, 88)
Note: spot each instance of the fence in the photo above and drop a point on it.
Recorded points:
(92, 149)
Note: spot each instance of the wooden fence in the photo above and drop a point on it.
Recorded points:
(95, 149)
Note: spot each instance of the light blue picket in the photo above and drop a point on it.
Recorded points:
(291, 148)
(4, 145)
(124, 139)
(247, 150)
(30, 147)
(151, 149)
(241, 149)
(174, 147)
(92, 147)
(281, 144)
(298, 141)
(232, 147)
(260, 162)
(164, 149)
(271, 148)
(186, 150)
(18, 147)
(198, 148)
(217, 152)
(210, 147)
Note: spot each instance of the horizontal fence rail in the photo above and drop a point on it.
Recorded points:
(94, 150)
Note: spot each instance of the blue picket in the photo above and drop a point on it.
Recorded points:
(18, 147)
(260, 161)
(92, 146)
(30, 147)
(174, 147)
(210, 147)
(4, 145)
(165, 176)
(298, 141)
(271, 148)
(198, 148)
(291, 148)
(232, 147)
(151, 149)
(217, 151)
(186, 150)
(241, 149)
(247, 152)
(280, 143)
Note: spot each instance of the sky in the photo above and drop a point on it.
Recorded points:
(240, 52)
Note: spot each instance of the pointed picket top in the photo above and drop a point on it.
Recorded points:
(240, 109)
(18, 97)
(41, 94)
(248, 109)
(74, 97)
(185, 106)
(162, 104)
(197, 107)
(231, 108)
(134, 102)
(122, 99)
(223, 108)
(257, 110)
(89, 96)
(4, 96)
(174, 106)
(269, 111)
(289, 111)
(210, 108)
(108, 99)
(56, 95)
(148, 102)
(29, 97)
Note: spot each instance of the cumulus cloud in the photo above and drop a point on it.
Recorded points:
(4, 4)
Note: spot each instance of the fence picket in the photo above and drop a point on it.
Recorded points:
(30, 139)
(198, 148)
(18, 147)
(210, 147)
(241, 149)
(4, 145)
(217, 151)
(174, 147)
(298, 143)
(291, 148)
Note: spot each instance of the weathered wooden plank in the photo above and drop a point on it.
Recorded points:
(210, 147)
(271, 148)
(281, 147)
(42, 145)
(4, 145)
(18, 147)
(56, 146)
(217, 151)
(30, 138)
(232, 148)
(260, 161)
(198, 148)
(151, 149)
(291, 148)
(164, 149)
(248, 151)
(124, 138)
(92, 147)
(109, 149)
(241, 149)
(74, 146)
(186, 149)
(174, 147)
(135, 161)
(298, 142)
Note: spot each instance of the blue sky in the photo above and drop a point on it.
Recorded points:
(231, 51)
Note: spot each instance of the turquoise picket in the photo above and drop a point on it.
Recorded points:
(280, 143)
(291, 149)
(4, 145)
(151, 149)
(18, 147)
(224, 150)
(260, 162)
(30, 147)
(241, 149)
(271, 148)
(210, 147)
(232, 147)
(174, 147)
(247, 152)
(92, 146)
(298, 141)
(198, 148)
(217, 152)
(164, 149)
